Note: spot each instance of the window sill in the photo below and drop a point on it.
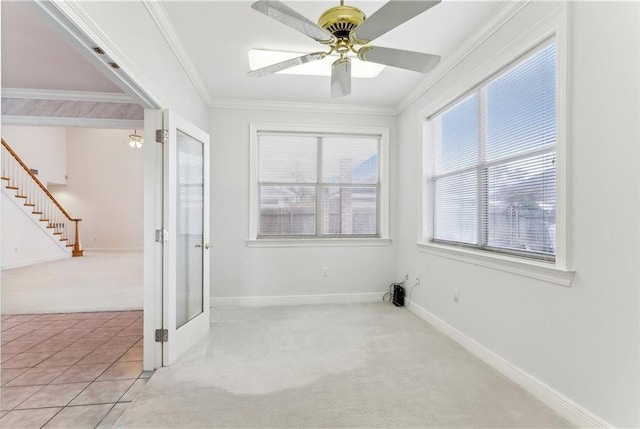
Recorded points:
(532, 269)
(319, 242)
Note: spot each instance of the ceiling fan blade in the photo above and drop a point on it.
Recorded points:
(388, 17)
(273, 68)
(341, 78)
(409, 60)
(289, 17)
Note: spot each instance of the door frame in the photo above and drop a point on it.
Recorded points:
(152, 250)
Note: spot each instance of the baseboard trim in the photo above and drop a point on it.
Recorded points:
(549, 396)
(72, 310)
(30, 262)
(259, 301)
(113, 250)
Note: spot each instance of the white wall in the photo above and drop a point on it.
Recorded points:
(41, 148)
(104, 188)
(24, 242)
(583, 340)
(240, 271)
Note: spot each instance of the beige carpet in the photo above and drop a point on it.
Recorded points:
(97, 281)
(362, 366)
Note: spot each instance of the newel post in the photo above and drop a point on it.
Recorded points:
(76, 246)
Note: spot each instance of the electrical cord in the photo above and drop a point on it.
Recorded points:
(387, 297)
(411, 292)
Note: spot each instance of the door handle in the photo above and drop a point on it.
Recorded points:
(206, 246)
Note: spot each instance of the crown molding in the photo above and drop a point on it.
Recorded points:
(161, 18)
(46, 94)
(467, 48)
(49, 121)
(289, 106)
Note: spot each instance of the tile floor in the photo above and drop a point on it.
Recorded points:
(70, 370)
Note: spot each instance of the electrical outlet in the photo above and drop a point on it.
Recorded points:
(418, 280)
(456, 296)
(325, 271)
(406, 276)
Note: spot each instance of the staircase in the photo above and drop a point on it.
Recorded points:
(34, 196)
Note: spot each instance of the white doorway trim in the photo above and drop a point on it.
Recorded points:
(153, 251)
(82, 32)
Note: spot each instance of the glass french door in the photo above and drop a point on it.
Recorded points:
(186, 250)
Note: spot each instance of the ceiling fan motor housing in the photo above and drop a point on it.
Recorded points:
(341, 20)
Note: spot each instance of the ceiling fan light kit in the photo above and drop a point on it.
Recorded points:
(347, 32)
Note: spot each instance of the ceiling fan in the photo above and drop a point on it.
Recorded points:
(347, 32)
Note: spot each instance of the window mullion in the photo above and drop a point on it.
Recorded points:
(482, 178)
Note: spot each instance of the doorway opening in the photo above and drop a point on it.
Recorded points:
(72, 327)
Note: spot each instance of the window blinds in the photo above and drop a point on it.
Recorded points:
(318, 185)
(494, 173)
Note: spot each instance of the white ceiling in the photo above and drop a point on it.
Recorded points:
(217, 35)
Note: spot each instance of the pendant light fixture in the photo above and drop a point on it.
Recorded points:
(135, 141)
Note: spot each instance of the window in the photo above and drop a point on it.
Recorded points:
(493, 163)
(318, 184)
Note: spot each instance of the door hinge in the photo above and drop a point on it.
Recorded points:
(162, 136)
(162, 235)
(162, 335)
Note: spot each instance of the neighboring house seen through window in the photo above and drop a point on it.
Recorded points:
(493, 162)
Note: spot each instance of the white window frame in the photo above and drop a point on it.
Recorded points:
(559, 272)
(383, 189)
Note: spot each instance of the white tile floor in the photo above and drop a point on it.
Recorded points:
(70, 370)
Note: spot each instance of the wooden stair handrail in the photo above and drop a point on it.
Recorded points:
(38, 182)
